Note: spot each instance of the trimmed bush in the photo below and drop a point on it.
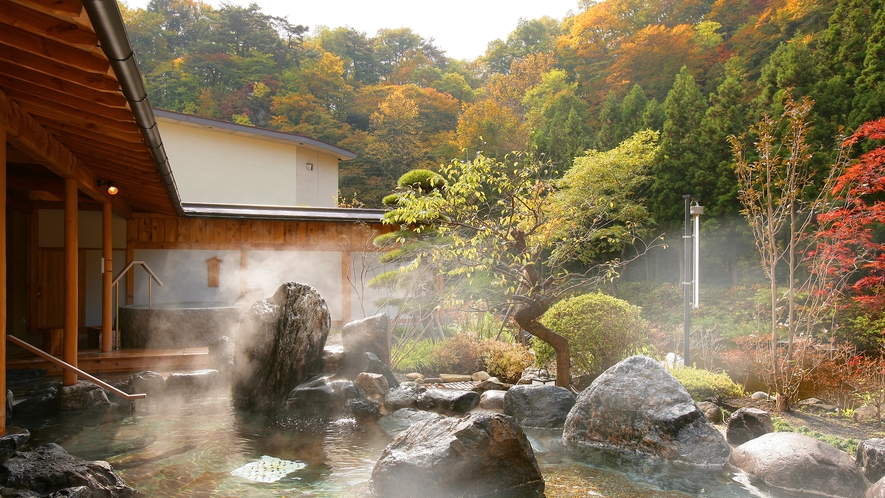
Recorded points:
(601, 330)
(703, 384)
(420, 179)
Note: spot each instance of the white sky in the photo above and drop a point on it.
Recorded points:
(462, 28)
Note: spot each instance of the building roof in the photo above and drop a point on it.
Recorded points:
(74, 106)
(258, 133)
(298, 213)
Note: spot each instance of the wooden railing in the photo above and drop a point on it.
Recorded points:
(95, 380)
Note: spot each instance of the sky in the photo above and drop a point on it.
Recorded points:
(462, 28)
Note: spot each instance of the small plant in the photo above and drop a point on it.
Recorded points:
(506, 360)
(703, 384)
(848, 445)
(414, 355)
(461, 353)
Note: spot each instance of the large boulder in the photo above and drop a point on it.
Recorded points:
(374, 386)
(40, 399)
(448, 401)
(404, 396)
(637, 408)
(12, 442)
(800, 464)
(279, 345)
(221, 355)
(369, 335)
(746, 424)
(83, 395)
(871, 458)
(50, 470)
(877, 490)
(539, 405)
(147, 382)
(479, 455)
(370, 363)
(323, 397)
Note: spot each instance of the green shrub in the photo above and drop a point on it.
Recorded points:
(390, 200)
(601, 330)
(506, 360)
(420, 179)
(703, 384)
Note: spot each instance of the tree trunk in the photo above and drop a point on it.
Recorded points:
(527, 316)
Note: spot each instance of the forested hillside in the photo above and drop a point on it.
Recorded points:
(697, 71)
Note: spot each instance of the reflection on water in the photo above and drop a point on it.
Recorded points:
(190, 451)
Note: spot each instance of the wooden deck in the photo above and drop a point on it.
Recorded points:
(121, 360)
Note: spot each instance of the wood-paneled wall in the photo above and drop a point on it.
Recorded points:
(162, 232)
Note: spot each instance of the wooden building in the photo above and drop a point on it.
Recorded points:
(74, 121)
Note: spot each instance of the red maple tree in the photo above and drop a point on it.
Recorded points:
(851, 233)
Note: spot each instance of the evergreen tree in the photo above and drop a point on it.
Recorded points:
(678, 167)
(653, 118)
(609, 123)
(632, 112)
(869, 101)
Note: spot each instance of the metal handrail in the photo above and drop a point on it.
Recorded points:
(116, 286)
(65, 365)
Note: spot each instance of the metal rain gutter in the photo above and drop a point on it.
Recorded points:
(108, 23)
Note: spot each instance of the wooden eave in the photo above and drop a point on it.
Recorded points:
(65, 114)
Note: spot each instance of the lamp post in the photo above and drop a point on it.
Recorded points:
(691, 267)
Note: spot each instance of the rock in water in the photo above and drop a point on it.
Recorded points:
(49, 470)
(638, 407)
(479, 455)
(800, 465)
(267, 469)
(369, 335)
(538, 405)
(279, 345)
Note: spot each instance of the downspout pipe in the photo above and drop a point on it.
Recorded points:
(108, 23)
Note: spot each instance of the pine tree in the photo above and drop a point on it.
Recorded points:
(678, 167)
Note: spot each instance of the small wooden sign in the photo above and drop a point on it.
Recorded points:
(213, 269)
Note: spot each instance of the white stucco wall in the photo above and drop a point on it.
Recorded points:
(213, 165)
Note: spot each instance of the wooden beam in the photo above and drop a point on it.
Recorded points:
(47, 25)
(3, 311)
(71, 287)
(10, 73)
(74, 129)
(73, 115)
(14, 57)
(91, 61)
(26, 134)
(71, 134)
(65, 7)
(36, 94)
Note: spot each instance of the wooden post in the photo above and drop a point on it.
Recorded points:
(346, 288)
(3, 280)
(71, 285)
(107, 277)
(244, 271)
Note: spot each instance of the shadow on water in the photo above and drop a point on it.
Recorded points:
(190, 449)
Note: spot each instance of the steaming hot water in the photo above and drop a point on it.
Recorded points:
(191, 449)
